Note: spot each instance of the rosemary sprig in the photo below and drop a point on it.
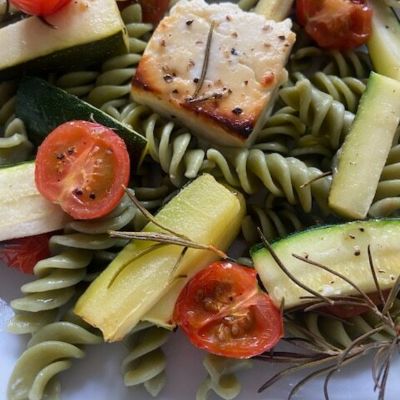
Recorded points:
(206, 61)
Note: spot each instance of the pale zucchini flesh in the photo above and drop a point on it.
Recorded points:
(277, 10)
(23, 210)
(384, 42)
(366, 148)
(205, 211)
(342, 248)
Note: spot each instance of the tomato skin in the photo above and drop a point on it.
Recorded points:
(24, 253)
(154, 10)
(336, 24)
(222, 311)
(40, 8)
(83, 166)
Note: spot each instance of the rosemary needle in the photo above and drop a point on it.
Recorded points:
(205, 62)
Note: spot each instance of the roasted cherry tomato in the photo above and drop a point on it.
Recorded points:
(346, 312)
(154, 10)
(336, 24)
(223, 311)
(83, 166)
(40, 8)
(24, 253)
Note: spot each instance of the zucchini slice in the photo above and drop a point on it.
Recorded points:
(143, 272)
(23, 210)
(343, 248)
(43, 107)
(366, 148)
(85, 32)
(384, 43)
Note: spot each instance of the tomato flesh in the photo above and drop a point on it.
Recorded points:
(222, 310)
(40, 8)
(83, 166)
(336, 24)
(24, 253)
(154, 10)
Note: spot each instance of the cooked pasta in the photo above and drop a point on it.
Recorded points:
(275, 220)
(49, 353)
(145, 363)
(319, 111)
(14, 143)
(221, 377)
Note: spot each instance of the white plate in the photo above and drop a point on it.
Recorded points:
(97, 376)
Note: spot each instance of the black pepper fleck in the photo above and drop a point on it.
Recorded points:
(77, 192)
(190, 22)
(361, 229)
(60, 156)
(71, 150)
(168, 78)
(92, 196)
(357, 252)
(234, 52)
(175, 91)
(281, 37)
(246, 82)
(196, 80)
(237, 110)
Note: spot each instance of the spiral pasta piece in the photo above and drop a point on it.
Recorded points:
(221, 377)
(14, 143)
(49, 353)
(145, 363)
(78, 83)
(275, 217)
(351, 63)
(387, 196)
(346, 90)
(113, 84)
(323, 115)
(336, 332)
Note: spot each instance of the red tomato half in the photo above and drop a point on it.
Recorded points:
(40, 8)
(24, 253)
(222, 310)
(336, 24)
(154, 10)
(83, 166)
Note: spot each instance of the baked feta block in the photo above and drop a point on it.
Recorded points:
(215, 68)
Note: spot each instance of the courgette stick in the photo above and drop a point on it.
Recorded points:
(366, 148)
(384, 43)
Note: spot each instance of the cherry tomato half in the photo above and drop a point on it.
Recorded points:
(24, 253)
(154, 10)
(83, 166)
(40, 8)
(222, 310)
(336, 24)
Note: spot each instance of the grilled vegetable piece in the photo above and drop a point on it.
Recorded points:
(205, 211)
(343, 248)
(366, 148)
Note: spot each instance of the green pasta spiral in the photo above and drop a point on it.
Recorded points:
(49, 352)
(145, 364)
(14, 143)
(221, 377)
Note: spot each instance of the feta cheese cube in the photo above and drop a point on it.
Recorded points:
(242, 55)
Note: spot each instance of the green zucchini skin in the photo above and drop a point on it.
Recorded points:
(43, 107)
(69, 59)
(341, 247)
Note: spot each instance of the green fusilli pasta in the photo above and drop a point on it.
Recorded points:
(145, 363)
(49, 353)
(221, 377)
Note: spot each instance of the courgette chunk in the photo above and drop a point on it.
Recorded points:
(84, 32)
(343, 248)
(43, 107)
(23, 210)
(143, 272)
(384, 42)
(366, 148)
